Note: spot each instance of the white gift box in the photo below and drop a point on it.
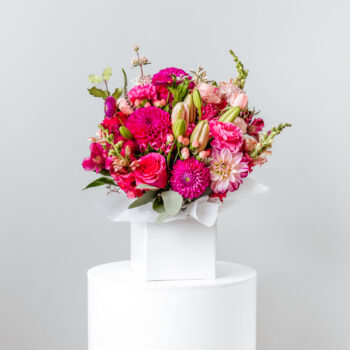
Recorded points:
(177, 250)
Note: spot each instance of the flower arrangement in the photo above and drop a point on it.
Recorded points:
(175, 137)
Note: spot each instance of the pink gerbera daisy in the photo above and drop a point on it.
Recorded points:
(149, 126)
(190, 178)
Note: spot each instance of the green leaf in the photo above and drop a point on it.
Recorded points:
(104, 172)
(94, 78)
(158, 205)
(117, 93)
(100, 182)
(146, 198)
(146, 187)
(94, 91)
(107, 73)
(162, 217)
(172, 202)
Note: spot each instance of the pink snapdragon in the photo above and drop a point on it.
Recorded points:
(97, 159)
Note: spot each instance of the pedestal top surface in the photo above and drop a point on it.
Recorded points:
(120, 273)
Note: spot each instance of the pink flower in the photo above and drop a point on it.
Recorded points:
(149, 126)
(97, 159)
(249, 143)
(143, 92)
(126, 182)
(228, 89)
(151, 170)
(110, 107)
(226, 135)
(190, 178)
(165, 76)
(240, 100)
(227, 170)
(210, 111)
(209, 93)
(255, 127)
(124, 106)
(241, 124)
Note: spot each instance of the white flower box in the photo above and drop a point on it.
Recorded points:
(178, 250)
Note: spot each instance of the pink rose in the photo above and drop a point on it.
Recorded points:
(226, 135)
(209, 93)
(240, 100)
(124, 106)
(151, 170)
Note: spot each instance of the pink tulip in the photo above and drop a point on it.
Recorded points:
(240, 100)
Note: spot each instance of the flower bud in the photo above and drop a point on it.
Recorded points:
(179, 128)
(230, 115)
(185, 153)
(200, 135)
(180, 111)
(191, 107)
(125, 132)
(197, 100)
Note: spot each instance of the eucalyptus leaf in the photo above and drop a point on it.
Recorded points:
(146, 198)
(107, 73)
(94, 78)
(94, 91)
(146, 187)
(172, 202)
(100, 182)
(158, 205)
(162, 216)
(117, 93)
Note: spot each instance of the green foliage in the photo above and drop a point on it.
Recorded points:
(125, 89)
(94, 91)
(172, 202)
(179, 91)
(146, 187)
(107, 73)
(117, 93)
(100, 182)
(158, 205)
(162, 216)
(146, 198)
(94, 78)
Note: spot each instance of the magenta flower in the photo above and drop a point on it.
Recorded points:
(255, 127)
(143, 92)
(151, 170)
(97, 159)
(226, 135)
(227, 170)
(149, 126)
(210, 111)
(165, 76)
(110, 107)
(190, 178)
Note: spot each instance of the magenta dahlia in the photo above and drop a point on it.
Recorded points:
(143, 92)
(165, 76)
(149, 126)
(190, 178)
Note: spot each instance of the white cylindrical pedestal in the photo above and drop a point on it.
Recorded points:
(129, 314)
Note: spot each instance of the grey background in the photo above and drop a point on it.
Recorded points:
(296, 236)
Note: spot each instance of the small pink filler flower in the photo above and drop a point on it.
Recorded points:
(190, 178)
(227, 170)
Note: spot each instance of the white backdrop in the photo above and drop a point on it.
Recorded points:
(297, 236)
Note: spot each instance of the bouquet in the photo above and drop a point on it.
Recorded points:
(176, 137)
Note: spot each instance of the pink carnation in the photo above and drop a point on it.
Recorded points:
(97, 159)
(151, 170)
(226, 135)
(190, 178)
(149, 126)
(143, 92)
(227, 170)
(165, 76)
(210, 111)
